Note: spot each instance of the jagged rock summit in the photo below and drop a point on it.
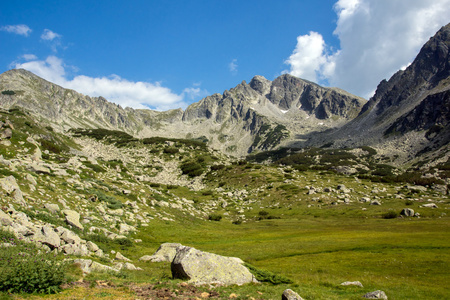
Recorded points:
(260, 115)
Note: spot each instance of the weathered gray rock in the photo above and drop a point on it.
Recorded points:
(5, 219)
(46, 235)
(88, 266)
(290, 295)
(92, 246)
(70, 237)
(165, 252)
(31, 179)
(75, 249)
(355, 283)
(9, 184)
(407, 212)
(6, 133)
(53, 208)
(430, 205)
(208, 268)
(73, 218)
(119, 256)
(375, 202)
(125, 228)
(39, 169)
(376, 295)
(416, 188)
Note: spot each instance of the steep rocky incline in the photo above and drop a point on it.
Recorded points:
(256, 116)
(408, 115)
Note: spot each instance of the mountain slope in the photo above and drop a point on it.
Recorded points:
(256, 116)
(397, 119)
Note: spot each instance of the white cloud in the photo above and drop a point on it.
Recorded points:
(233, 66)
(17, 29)
(377, 38)
(114, 88)
(49, 35)
(29, 57)
(309, 59)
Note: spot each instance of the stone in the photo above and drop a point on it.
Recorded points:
(416, 188)
(9, 184)
(6, 134)
(365, 199)
(407, 212)
(73, 218)
(46, 235)
(31, 179)
(355, 283)
(430, 205)
(53, 208)
(38, 169)
(376, 295)
(75, 249)
(125, 228)
(119, 256)
(290, 295)
(166, 252)
(70, 237)
(208, 268)
(5, 219)
(92, 246)
(375, 202)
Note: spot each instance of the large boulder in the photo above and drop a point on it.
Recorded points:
(208, 268)
(5, 219)
(165, 252)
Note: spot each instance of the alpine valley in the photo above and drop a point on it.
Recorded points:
(309, 187)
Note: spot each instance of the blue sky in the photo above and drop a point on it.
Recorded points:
(168, 54)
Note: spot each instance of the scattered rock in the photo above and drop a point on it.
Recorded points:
(39, 169)
(407, 212)
(430, 205)
(47, 236)
(119, 256)
(355, 283)
(53, 208)
(376, 295)
(375, 202)
(5, 219)
(290, 295)
(73, 218)
(207, 268)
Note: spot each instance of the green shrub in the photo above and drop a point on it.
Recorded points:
(8, 92)
(171, 150)
(112, 202)
(409, 202)
(215, 217)
(192, 169)
(267, 276)
(24, 269)
(390, 215)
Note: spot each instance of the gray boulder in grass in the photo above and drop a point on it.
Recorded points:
(208, 268)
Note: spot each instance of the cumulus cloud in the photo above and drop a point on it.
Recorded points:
(20, 29)
(114, 88)
(49, 35)
(377, 38)
(310, 59)
(233, 66)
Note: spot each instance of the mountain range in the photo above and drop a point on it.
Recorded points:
(406, 119)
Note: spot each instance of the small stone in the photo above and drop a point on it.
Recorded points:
(290, 295)
(355, 283)
(407, 212)
(376, 295)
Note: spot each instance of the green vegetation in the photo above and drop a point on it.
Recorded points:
(24, 269)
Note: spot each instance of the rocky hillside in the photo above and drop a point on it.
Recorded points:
(256, 116)
(407, 118)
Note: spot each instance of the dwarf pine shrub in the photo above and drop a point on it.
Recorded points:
(26, 269)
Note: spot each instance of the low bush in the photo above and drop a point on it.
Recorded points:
(25, 269)
(267, 276)
(215, 217)
(390, 215)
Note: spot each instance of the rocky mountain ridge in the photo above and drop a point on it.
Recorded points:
(256, 116)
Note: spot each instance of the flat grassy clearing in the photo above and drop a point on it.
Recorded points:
(406, 258)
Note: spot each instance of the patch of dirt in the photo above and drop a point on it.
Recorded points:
(182, 291)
